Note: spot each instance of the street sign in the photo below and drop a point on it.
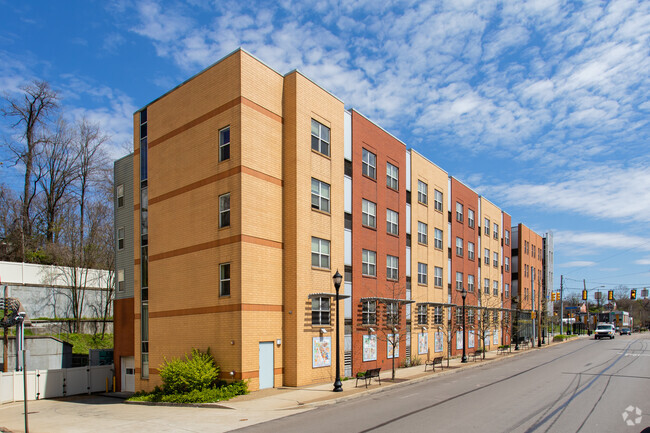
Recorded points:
(571, 308)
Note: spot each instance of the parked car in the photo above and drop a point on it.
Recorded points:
(625, 331)
(604, 330)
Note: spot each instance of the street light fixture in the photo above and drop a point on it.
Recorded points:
(20, 323)
(463, 293)
(338, 386)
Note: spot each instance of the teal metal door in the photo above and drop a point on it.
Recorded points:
(266, 364)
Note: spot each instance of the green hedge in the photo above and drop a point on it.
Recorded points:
(210, 395)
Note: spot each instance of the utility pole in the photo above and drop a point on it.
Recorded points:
(562, 304)
(5, 337)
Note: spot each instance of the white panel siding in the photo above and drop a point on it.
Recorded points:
(408, 170)
(347, 188)
(348, 247)
(408, 219)
(408, 261)
(347, 135)
(347, 303)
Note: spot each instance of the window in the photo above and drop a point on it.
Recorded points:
(320, 253)
(224, 144)
(438, 239)
(368, 164)
(120, 238)
(459, 212)
(437, 276)
(470, 315)
(120, 195)
(422, 233)
(495, 317)
(495, 259)
(495, 231)
(459, 247)
(487, 227)
(470, 218)
(526, 247)
(392, 219)
(486, 257)
(437, 198)
(224, 279)
(320, 195)
(470, 250)
(533, 251)
(422, 314)
(320, 311)
(539, 253)
(422, 192)
(495, 288)
(392, 267)
(369, 312)
(459, 315)
(459, 281)
(369, 263)
(507, 290)
(506, 236)
(120, 280)
(437, 315)
(486, 286)
(368, 214)
(470, 283)
(320, 138)
(422, 273)
(392, 313)
(392, 176)
(506, 264)
(224, 210)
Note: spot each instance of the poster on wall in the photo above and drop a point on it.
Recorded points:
(423, 343)
(321, 352)
(495, 340)
(392, 346)
(459, 340)
(437, 346)
(470, 339)
(486, 340)
(369, 348)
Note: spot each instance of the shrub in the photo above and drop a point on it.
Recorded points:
(210, 395)
(196, 373)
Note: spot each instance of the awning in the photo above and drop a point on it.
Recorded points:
(326, 295)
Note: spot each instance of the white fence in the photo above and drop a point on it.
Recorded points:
(55, 383)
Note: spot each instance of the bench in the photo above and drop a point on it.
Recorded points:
(367, 376)
(435, 361)
(476, 353)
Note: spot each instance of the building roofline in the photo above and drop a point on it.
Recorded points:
(297, 71)
(431, 162)
(375, 124)
(240, 49)
(465, 185)
(130, 155)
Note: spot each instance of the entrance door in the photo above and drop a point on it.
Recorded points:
(128, 374)
(266, 364)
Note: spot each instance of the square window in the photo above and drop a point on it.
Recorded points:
(369, 312)
(437, 315)
(470, 283)
(487, 227)
(320, 137)
(470, 250)
(423, 189)
(368, 213)
(506, 289)
(486, 257)
(392, 219)
(437, 276)
(422, 273)
(506, 264)
(320, 195)
(224, 210)
(224, 279)
(320, 311)
(495, 231)
(459, 281)
(470, 218)
(506, 237)
(392, 268)
(437, 197)
(224, 144)
(392, 176)
(495, 259)
(320, 253)
(368, 164)
(120, 280)
(120, 195)
(120, 238)
(438, 239)
(459, 212)
(392, 313)
(459, 247)
(495, 288)
(422, 233)
(369, 263)
(422, 315)
(486, 286)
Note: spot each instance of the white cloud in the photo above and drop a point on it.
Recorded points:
(577, 264)
(600, 240)
(645, 261)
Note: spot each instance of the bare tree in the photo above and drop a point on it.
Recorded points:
(30, 113)
(488, 316)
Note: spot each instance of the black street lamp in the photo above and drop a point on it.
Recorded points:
(338, 386)
(463, 293)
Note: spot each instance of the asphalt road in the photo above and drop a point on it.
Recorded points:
(581, 386)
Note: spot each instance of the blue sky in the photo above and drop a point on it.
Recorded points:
(541, 106)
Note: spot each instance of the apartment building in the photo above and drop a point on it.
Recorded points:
(247, 190)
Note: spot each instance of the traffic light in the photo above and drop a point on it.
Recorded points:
(553, 296)
(610, 295)
(584, 295)
(633, 294)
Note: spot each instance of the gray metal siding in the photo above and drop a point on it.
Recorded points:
(123, 175)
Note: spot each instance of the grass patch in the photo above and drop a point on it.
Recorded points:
(562, 337)
(81, 343)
